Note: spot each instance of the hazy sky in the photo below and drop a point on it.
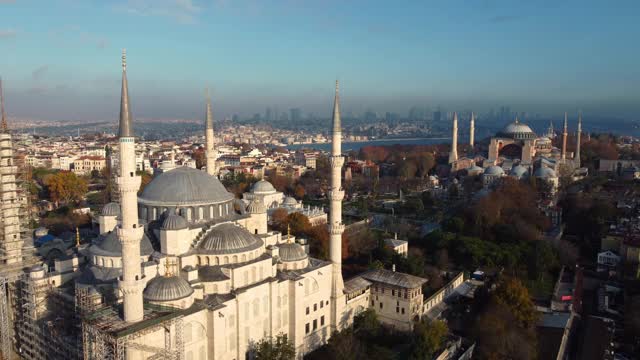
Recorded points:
(60, 59)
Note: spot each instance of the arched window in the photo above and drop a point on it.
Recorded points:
(199, 261)
(217, 259)
(110, 262)
(244, 257)
(235, 259)
(200, 213)
(207, 260)
(225, 260)
(211, 212)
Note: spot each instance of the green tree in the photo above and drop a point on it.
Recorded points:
(367, 325)
(428, 339)
(279, 348)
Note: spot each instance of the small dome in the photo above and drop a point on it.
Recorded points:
(519, 171)
(494, 170)
(545, 172)
(263, 187)
(109, 245)
(291, 252)
(167, 288)
(256, 207)
(111, 209)
(174, 221)
(228, 238)
(36, 268)
(544, 140)
(290, 201)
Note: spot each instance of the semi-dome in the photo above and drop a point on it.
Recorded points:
(290, 201)
(211, 274)
(184, 185)
(111, 209)
(228, 238)
(263, 187)
(256, 207)
(174, 221)
(517, 130)
(519, 171)
(167, 288)
(109, 245)
(545, 172)
(494, 170)
(291, 252)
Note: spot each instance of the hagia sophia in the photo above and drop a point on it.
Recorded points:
(185, 270)
(517, 151)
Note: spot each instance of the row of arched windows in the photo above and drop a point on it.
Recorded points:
(208, 260)
(191, 213)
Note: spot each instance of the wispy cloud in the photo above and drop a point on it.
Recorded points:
(183, 11)
(505, 18)
(39, 73)
(8, 34)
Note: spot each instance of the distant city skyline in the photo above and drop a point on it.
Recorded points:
(61, 57)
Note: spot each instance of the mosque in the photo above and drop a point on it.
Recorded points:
(518, 152)
(186, 271)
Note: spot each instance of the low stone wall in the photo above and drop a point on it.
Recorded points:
(440, 295)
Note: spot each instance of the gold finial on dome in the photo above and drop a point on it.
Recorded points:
(77, 237)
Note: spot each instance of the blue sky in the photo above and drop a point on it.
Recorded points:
(60, 58)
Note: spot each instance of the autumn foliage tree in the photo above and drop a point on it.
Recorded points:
(65, 187)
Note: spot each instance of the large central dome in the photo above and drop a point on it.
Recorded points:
(517, 130)
(184, 186)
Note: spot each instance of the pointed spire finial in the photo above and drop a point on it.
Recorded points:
(126, 128)
(2, 113)
(337, 125)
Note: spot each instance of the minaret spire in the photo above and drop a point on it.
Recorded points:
(129, 230)
(125, 112)
(3, 126)
(472, 130)
(210, 151)
(576, 156)
(453, 154)
(564, 138)
(336, 227)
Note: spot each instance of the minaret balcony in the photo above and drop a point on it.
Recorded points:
(336, 161)
(336, 229)
(131, 235)
(336, 195)
(128, 183)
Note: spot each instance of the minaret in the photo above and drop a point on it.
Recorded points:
(129, 232)
(11, 240)
(576, 156)
(336, 227)
(472, 129)
(453, 154)
(210, 151)
(564, 138)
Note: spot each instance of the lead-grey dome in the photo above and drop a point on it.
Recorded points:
(109, 245)
(184, 185)
(519, 171)
(291, 252)
(290, 201)
(167, 288)
(517, 130)
(174, 221)
(228, 238)
(263, 187)
(545, 172)
(111, 209)
(494, 170)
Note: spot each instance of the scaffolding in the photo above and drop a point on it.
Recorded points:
(106, 336)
